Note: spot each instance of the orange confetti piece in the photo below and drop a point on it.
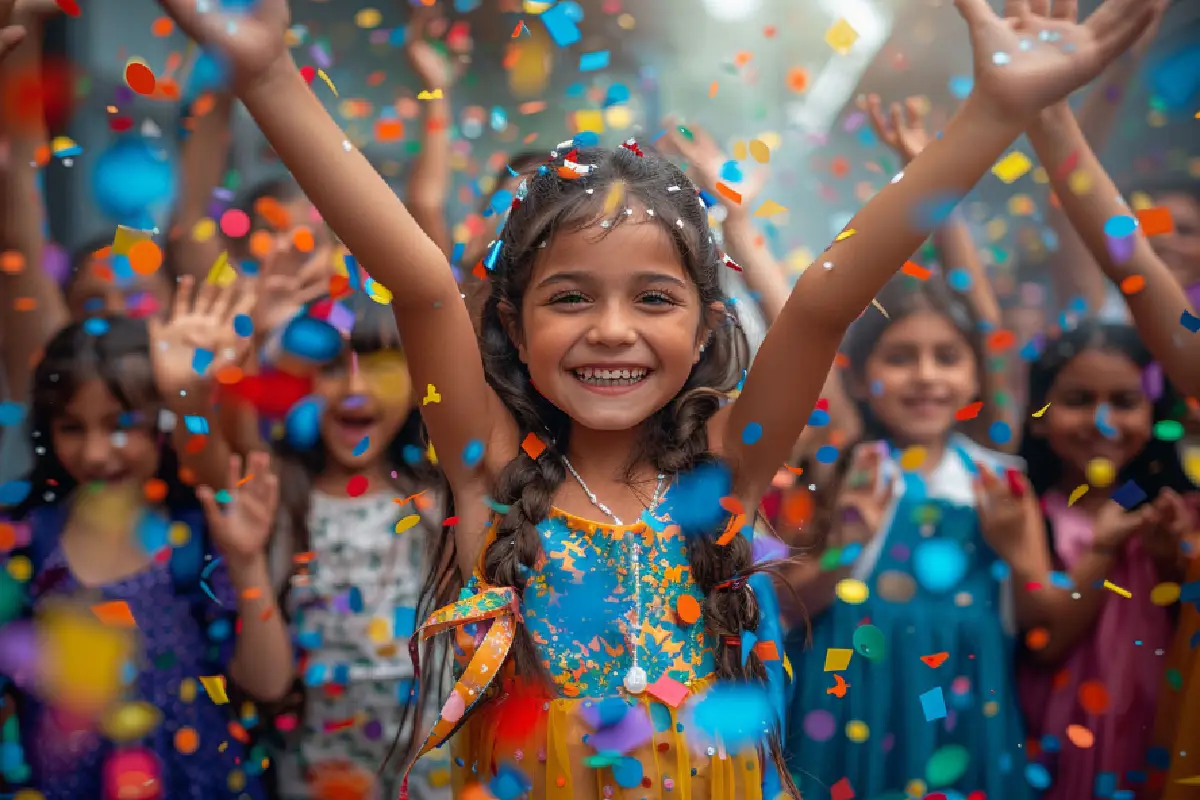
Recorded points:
(162, 27)
(261, 244)
(532, 107)
(304, 240)
(273, 212)
(688, 609)
(1001, 340)
(769, 31)
(797, 79)
(1080, 736)
(12, 262)
(1037, 638)
(1133, 284)
(1093, 697)
(732, 529)
(145, 257)
(245, 480)
(389, 130)
(140, 78)
(732, 505)
(797, 507)
(742, 58)
(1156, 221)
(196, 444)
(916, 271)
(794, 470)
(840, 167)
(533, 446)
(115, 613)
(766, 651)
(970, 411)
(934, 661)
(729, 193)
(712, 89)
(253, 593)
(25, 304)
(154, 490)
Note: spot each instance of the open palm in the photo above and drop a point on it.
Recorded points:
(243, 527)
(1038, 55)
(905, 132)
(252, 41)
(198, 337)
(705, 160)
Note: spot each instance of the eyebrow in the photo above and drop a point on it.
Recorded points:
(587, 277)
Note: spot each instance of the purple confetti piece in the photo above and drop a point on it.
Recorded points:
(854, 121)
(632, 731)
(320, 56)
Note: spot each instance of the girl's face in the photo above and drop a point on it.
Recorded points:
(97, 440)
(95, 291)
(610, 325)
(1094, 390)
(920, 373)
(1180, 249)
(367, 398)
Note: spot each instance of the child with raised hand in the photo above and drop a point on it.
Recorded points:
(1113, 235)
(596, 386)
(1096, 434)
(904, 132)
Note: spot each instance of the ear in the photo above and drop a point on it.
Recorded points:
(512, 326)
(711, 317)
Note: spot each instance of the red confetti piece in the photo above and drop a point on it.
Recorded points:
(356, 486)
(140, 78)
(450, 522)
(934, 661)
(916, 271)
(1155, 221)
(309, 74)
(969, 411)
(69, 7)
(842, 790)
(1001, 340)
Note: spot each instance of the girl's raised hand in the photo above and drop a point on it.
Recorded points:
(905, 131)
(433, 68)
(1005, 506)
(1114, 525)
(705, 161)
(1174, 524)
(1039, 54)
(864, 497)
(199, 337)
(252, 40)
(10, 35)
(242, 528)
(290, 279)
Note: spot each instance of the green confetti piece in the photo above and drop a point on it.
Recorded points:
(1168, 430)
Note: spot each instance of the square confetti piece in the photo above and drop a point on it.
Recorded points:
(842, 790)
(837, 659)
(841, 36)
(1012, 167)
(1156, 221)
(1129, 495)
(533, 446)
(115, 613)
(214, 685)
(933, 703)
(669, 691)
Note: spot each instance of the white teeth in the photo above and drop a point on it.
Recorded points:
(610, 377)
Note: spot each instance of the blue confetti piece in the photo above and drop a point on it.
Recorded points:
(509, 782)
(932, 212)
(562, 30)
(196, 425)
(708, 199)
(362, 446)
(1120, 226)
(1031, 350)
(751, 433)
(404, 622)
(1037, 776)
(315, 675)
(586, 139)
(590, 62)
(493, 255)
(731, 172)
(223, 496)
(14, 492)
(1190, 321)
(959, 279)
(351, 264)
(961, 85)
(95, 326)
(201, 360)
(1000, 432)
(457, 254)
(220, 629)
(850, 553)
(826, 454)
(122, 270)
(933, 703)
(1062, 580)
(1001, 571)
(1104, 785)
(574, 91)
(1128, 495)
(618, 94)
(11, 414)
(1103, 413)
(500, 202)
(243, 325)
(1050, 743)
(412, 454)
(819, 418)
(473, 453)
(867, 137)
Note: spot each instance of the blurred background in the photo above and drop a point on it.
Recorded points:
(785, 72)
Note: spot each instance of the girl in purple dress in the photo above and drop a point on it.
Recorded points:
(144, 595)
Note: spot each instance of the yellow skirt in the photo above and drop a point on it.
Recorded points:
(551, 753)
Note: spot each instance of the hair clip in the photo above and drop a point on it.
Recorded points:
(736, 583)
(632, 146)
(729, 262)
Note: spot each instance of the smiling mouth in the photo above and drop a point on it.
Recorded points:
(611, 377)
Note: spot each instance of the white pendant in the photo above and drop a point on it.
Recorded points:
(635, 680)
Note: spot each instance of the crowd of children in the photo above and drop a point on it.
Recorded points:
(340, 521)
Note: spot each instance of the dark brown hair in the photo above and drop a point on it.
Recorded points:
(675, 438)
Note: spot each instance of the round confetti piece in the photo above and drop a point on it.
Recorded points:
(1100, 472)
(826, 454)
(1081, 737)
(895, 586)
(759, 151)
(857, 731)
(1037, 776)
(939, 564)
(203, 230)
(235, 223)
(188, 689)
(1168, 430)
(912, 458)
(752, 433)
(145, 257)
(1093, 697)
(946, 765)
(131, 721)
(379, 630)
(688, 609)
(243, 325)
(140, 77)
(356, 486)
(304, 240)
(237, 780)
(870, 642)
(1037, 638)
(473, 453)
(797, 79)
(20, 568)
(187, 741)
(1133, 284)
(261, 244)
(368, 18)
(407, 522)
(1000, 432)
(1164, 594)
(179, 534)
(852, 591)
(162, 27)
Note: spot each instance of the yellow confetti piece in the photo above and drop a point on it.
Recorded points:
(406, 523)
(846, 234)
(1038, 414)
(215, 686)
(1076, 493)
(882, 310)
(204, 229)
(1080, 182)
(130, 721)
(837, 658)
(1164, 594)
(616, 195)
(328, 82)
(426, 94)
(588, 120)
(1100, 472)
(379, 630)
(759, 151)
(841, 36)
(739, 150)
(1112, 587)
(912, 458)
(431, 395)
(770, 208)
(851, 591)
(857, 731)
(368, 18)
(1010, 168)
(222, 273)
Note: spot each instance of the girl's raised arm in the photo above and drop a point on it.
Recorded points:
(443, 355)
(1021, 65)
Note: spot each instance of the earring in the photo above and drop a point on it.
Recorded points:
(702, 347)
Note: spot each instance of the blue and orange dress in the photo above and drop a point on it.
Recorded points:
(584, 735)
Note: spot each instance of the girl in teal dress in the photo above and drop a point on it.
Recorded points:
(908, 685)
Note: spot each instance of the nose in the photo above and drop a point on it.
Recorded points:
(927, 368)
(356, 382)
(613, 326)
(97, 451)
